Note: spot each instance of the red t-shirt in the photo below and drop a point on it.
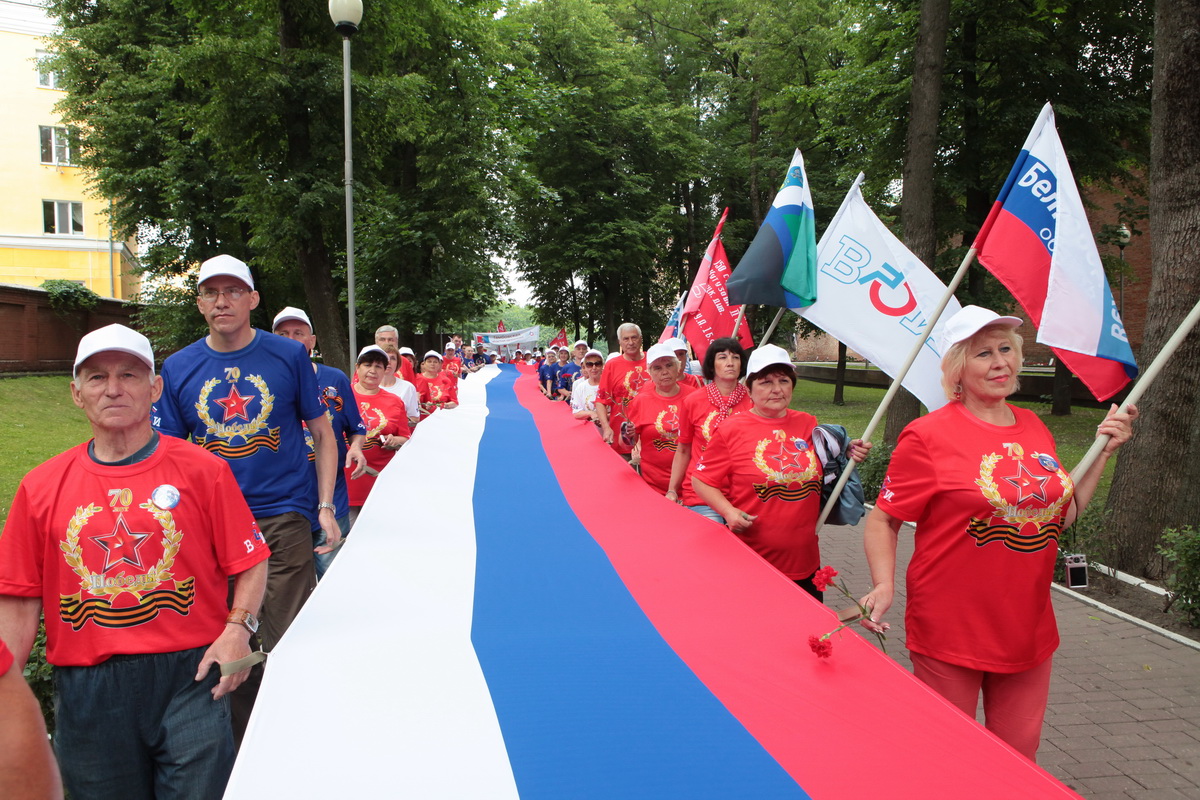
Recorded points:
(691, 380)
(989, 503)
(384, 415)
(406, 369)
(657, 421)
(697, 425)
(768, 468)
(435, 393)
(132, 559)
(619, 384)
(453, 367)
(6, 658)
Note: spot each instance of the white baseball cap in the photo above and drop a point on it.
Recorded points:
(449, 346)
(580, 342)
(292, 313)
(372, 348)
(433, 353)
(225, 265)
(675, 343)
(660, 350)
(767, 355)
(593, 352)
(970, 321)
(407, 351)
(113, 337)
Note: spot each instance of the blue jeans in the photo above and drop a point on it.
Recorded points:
(706, 511)
(322, 562)
(141, 726)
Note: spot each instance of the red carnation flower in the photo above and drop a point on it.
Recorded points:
(821, 646)
(823, 578)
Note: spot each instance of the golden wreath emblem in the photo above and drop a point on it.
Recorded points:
(369, 412)
(707, 428)
(660, 424)
(811, 471)
(94, 583)
(242, 429)
(1015, 514)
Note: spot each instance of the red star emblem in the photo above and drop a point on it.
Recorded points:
(1028, 485)
(122, 545)
(235, 405)
(789, 459)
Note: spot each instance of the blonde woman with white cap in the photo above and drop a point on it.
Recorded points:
(761, 473)
(990, 498)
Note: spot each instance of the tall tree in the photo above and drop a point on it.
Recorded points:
(1166, 448)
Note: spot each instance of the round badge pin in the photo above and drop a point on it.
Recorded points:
(165, 497)
(1047, 462)
(800, 444)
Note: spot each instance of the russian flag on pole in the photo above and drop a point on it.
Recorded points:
(671, 329)
(1037, 242)
(877, 297)
(778, 268)
(599, 643)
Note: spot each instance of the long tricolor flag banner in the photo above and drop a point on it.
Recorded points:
(877, 297)
(777, 267)
(1038, 243)
(581, 646)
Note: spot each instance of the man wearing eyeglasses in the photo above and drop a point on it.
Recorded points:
(243, 395)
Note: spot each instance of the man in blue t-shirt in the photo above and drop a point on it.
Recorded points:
(547, 373)
(246, 396)
(349, 431)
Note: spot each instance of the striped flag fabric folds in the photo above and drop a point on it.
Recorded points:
(1037, 242)
(541, 639)
(779, 267)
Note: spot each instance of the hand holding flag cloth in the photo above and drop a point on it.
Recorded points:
(1037, 242)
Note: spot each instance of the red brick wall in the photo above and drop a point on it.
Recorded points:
(36, 338)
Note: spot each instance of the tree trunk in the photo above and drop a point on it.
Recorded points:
(1156, 476)
(1060, 405)
(917, 208)
(839, 383)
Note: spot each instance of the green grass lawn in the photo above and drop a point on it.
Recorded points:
(37, 420)
(1073, 434)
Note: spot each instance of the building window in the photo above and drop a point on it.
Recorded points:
(62, 217)
(47, 78)
(58, 145)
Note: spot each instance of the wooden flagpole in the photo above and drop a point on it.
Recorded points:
(1139, 388)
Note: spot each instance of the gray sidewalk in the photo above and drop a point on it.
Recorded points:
(1124, 714)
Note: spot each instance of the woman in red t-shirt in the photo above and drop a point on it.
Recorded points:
(761, 472)
(702, 414)
(436, 388)
(655, 416)
(982, 481)
(386, 420)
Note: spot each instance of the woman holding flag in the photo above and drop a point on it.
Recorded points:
(761, 473)
(981, 479)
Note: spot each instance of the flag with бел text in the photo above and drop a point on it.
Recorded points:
(778, 268)
(877, 297)
(1038, 243)
(707, 313)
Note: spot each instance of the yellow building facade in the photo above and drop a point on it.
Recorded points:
(52, 225)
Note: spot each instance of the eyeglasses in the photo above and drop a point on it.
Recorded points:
(235, 293)
(593, 364)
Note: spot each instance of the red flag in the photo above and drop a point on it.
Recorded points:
(707, 314)
(500, 327)
(560, 339)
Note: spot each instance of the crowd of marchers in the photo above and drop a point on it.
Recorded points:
(176, 545)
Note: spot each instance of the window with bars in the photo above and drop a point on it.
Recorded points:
(62, 217)
(58, 145)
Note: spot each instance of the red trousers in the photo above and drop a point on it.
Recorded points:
(1014, 704)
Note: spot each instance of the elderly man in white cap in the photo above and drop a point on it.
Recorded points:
(333, 388)
(126, 545)
(246, 396)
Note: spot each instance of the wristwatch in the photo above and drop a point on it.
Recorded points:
(240, 616)
(330, 506)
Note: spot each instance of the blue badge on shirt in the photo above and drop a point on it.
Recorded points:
(800, 444)
(1047, 462)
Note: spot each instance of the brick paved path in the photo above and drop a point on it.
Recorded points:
(1124, 714)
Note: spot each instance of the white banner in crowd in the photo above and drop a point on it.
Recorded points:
(524, 336)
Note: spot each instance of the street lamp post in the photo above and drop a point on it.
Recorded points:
(346, 14)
